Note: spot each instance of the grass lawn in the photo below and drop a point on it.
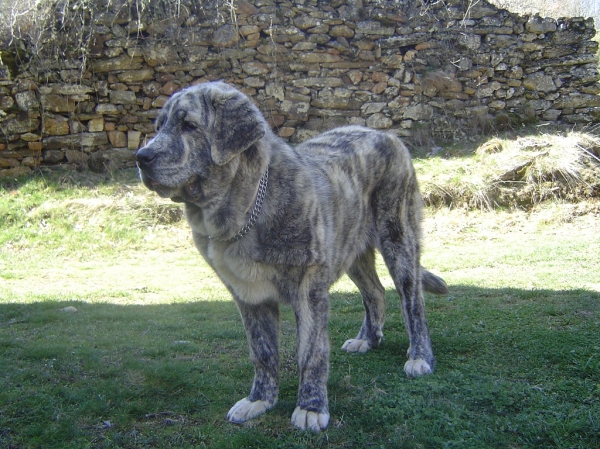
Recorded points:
(114, 334)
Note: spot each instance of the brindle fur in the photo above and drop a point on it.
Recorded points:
(330, 204)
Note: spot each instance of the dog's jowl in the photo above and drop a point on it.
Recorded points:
(280, 225)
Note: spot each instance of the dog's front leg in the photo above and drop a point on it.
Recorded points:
(262, 329)
(312, 351)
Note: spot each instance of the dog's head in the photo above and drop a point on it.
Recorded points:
(199, 130)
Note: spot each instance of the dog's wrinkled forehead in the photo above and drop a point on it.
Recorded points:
(196, 101)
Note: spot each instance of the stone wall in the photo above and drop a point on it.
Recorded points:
(429, 73)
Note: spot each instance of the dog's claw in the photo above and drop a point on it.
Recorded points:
(356, 345)
(306, 420)
(245, 410)
(417, 367)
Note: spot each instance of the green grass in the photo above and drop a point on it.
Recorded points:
(155, 354)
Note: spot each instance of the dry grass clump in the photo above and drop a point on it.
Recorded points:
(517, 173)
(140, 206)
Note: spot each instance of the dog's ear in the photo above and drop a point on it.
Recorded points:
(238, 124)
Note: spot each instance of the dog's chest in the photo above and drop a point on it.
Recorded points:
(250, 281)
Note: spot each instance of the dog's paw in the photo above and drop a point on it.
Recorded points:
(356, 345)
(305, 420)
(417, 367)
(245, 410)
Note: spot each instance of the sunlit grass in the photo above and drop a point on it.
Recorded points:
(115, 334)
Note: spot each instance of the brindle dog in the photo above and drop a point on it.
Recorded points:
(279, 225)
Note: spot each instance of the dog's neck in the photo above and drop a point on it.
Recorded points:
(258, 203)
(232, 217)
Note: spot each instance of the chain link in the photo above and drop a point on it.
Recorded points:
(258, 203)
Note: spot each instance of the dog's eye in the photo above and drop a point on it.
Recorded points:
(188, 126)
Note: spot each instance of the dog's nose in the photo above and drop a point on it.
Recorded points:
(145, 156)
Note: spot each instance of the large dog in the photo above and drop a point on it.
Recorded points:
(280, 225)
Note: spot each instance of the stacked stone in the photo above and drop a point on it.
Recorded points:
(310, 66)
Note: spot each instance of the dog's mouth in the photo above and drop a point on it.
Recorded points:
(188, 191)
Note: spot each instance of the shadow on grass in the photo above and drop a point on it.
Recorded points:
(514, 368)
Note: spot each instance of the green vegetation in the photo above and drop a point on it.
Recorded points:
(114, 334)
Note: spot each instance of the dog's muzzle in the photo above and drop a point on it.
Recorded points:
(145, 157)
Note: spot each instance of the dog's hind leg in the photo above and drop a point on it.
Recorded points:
(262, 329)
(399, 237)
(363, 274)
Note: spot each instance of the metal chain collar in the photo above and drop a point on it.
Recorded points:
(258, 203)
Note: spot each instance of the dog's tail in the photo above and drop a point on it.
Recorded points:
(433, 284)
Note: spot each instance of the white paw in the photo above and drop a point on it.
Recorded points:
(305, 420)
(417, 367)
(356, 345)
(244, 410)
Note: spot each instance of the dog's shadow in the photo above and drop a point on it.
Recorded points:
(192, 358)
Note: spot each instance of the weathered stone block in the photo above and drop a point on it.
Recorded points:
(116, 64)
(107, 109)
(374, 28)
(6, 102)
(537, 25)
(355, 76)
(111, 159)
(133, 139)
(275, 90)
(122, 97)
(286, 132)
(72, 89)
(53, 156)
(255, 68)
(330, 102)
(75, 127)
(392, 61)
(341, 31)
(225, 36)
(75, 141)
(295, 110)
(470, 41)
(136, 76)
(27, 100)
(57, 103)
(8, 162)
(379, 121)
(576, 101)
(315, 58)
(55, 125)
(96, 125)
(118, 139)
(35, 146)
(305, 22)
(418, 112)
(19, 125)
(247, 30)
(254, 82)
(379, 87)
(15, 172)
(159, 54)
(76, 156)
(551, 114)
(169, 87)
(318, 82)
(30, 137)
(372, 108)
(539, 82)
